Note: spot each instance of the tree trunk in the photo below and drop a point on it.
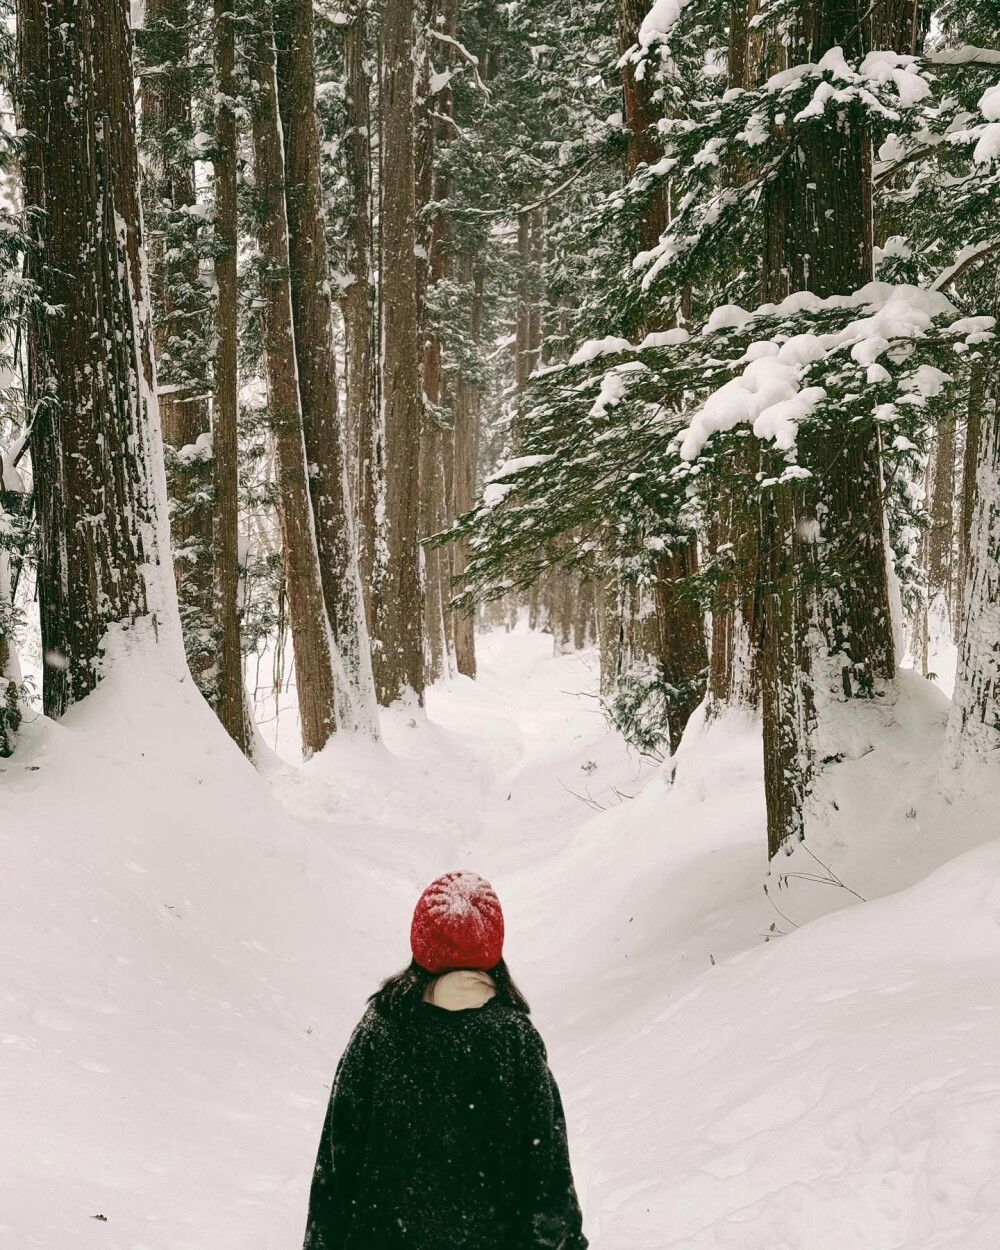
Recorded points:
(819, 237)
(528, 323)
(941, 537)
(734, 668)
(10, 676)
(432, 269)
(230, 695)
(312, 310)
(364, 425)
(642, 112)
(432, 521)
(564, 588)
(398, 655)
(967, 501)
(464, 475)
(677, 642)
(180, 314)
(583, 622)
(682, 651)
(974, 724)
(95, 443)
(311, 640)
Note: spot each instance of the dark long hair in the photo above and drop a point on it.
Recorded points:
(404, 991)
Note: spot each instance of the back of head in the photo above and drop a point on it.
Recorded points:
(457, 924)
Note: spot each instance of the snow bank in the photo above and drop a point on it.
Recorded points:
(189, 945)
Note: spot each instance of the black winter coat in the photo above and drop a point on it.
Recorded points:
(445, 1131)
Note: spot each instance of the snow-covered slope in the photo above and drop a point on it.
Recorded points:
(188, 945)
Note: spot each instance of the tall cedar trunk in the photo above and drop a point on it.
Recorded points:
(398, 654)
(432, 521)
(464, 473)
(734, 666)
(967, 499)
(90, 367)
(818, 237)
(564, 588)
(179, 314)
(583, 622)
(311, 304)
(675, 631)
(974, 724)
(364, 427)
(941, 536)
(432, 269)
(312, 310)
(682, 651)
(528, 323)
(10, 677)
(311, 641)
(642, 112)
(231, 703)
(919, 632)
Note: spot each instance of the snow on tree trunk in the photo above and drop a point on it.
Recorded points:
(398, 654)
(678, 639)
(312, 309)
(819, 238)
(231, 700)
(95, 444)
(941, 536)
(433, 521)
(967, 499)
(10, 676)
(364, 425)
(734, 665)
(311, 636)
(642, 111)
(467, 411)
(974, 723)
(180, 312)
(433, 136)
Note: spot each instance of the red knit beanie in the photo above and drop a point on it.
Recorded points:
(457, 923)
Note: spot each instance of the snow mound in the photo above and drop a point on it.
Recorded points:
(190, 942)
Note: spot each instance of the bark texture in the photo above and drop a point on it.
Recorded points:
(10, 676)
(398, 653)
(734, 668)
(466, 437)
(819, 238)
(974, 724)
(90, 366)
(179, 315)
(231, 702)
(312, 309)
(642, 112)
(311, 641)
(358, 304)
(967, 500)
(682, 651)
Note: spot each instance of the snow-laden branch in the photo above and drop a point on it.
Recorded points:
(965, 55)
(466, 55)
(967, 259)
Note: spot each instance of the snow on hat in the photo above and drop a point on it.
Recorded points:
(457, 923)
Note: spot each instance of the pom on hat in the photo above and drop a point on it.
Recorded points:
(457, 923)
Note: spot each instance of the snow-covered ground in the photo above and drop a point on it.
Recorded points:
(188, 945)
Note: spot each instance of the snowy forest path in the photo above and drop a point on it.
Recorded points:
(625, 894)
(197, 940)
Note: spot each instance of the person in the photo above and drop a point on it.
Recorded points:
(445, 1129)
